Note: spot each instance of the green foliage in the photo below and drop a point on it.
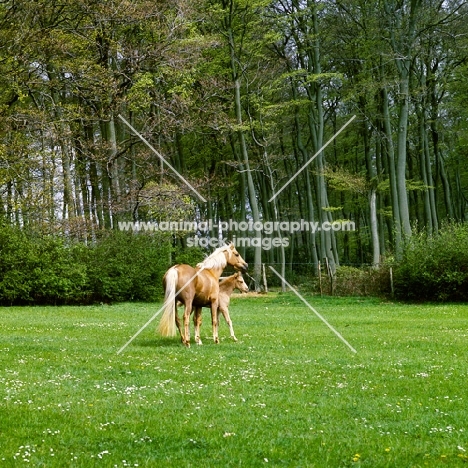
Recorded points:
(39, 269)
(125, 266)
(364, 281)
(139, 97)
(190, 256)
(15, 251)
(159, 201)
(48, 270)
(56, 276)
(213, 85)
(435, 268)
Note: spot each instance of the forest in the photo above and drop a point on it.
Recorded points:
(287, 112)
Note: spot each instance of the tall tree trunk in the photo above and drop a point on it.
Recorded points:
(402, 135)
(108, 184)
(423, 167)
(372, 180)
(402, 37)
(308, 184)
(392, 174)
(257, 271)
(316, 124)
(308, 50)
(68, 206)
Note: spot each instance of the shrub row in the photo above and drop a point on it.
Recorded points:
(435, 268)
(122, 266)
(364, 281)
(348, 281)
(50, 270)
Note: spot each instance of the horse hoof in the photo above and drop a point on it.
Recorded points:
(199, 342)
(234, 338)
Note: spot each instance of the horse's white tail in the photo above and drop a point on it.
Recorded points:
(167, 325)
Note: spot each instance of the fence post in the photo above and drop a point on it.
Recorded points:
(391, 282)
(265, 285)
(330, 276)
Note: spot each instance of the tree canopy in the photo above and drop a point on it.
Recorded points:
(237, 96)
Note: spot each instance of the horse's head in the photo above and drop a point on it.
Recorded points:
(234, 258)
(241, 285)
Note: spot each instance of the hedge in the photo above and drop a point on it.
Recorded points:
(41, 269)
(435, 268)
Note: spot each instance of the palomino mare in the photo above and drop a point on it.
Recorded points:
(197, 287)
(226, 287)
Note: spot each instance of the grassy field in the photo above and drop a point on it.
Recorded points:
(289, 393)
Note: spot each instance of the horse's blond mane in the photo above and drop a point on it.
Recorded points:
(216, 260)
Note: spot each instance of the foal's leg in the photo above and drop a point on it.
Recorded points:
(225, 312)
(214, 321)
(177, 321)
(197, 320)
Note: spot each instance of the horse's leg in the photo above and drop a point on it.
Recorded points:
(214, 321)
(225, 312)
(187, 312)
(197, 320)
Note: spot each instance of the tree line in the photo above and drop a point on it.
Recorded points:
(237, 96)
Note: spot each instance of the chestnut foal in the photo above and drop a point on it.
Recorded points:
(226, 287)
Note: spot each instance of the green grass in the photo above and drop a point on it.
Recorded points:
(289, 393)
